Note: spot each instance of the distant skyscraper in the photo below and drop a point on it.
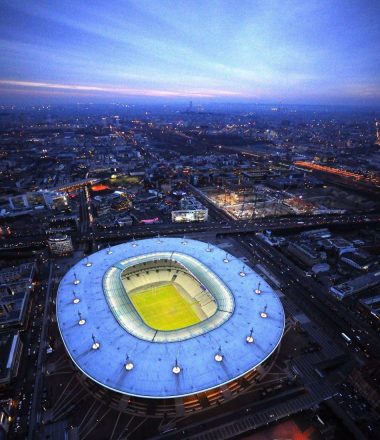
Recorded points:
(377, 132)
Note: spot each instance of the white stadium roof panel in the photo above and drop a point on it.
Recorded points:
(153, 357)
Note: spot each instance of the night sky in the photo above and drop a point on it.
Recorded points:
(317, 52)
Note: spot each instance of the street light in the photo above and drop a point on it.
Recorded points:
(95, 344)
(76, 281)
(76, 299)
(128, 364)
(249, 338)
(264, 313)
(219, 356)
(176, 369)
(81, 320)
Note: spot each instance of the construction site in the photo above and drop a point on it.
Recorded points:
(246, 202)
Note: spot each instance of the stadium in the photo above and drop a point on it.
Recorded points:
(167, 326)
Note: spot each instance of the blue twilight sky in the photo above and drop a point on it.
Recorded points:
(289, 51)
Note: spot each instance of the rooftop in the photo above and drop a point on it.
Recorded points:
(8, 342)
(195, 350)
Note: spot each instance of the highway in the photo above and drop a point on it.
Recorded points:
(84, 210)
(24, 385)
(314, 299)
(36, 401)
(221, 227)
(234, 226)
(30, 366)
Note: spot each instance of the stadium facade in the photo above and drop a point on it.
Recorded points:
(167, 325)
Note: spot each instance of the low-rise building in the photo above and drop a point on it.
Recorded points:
(60, 245)
(10, 354)
(304, 253)
(191, 211)
(22, 272)
(356, 285)
(124, 220)
(190, 215)
(340, 245)
(316, 234)
(366, 380)
(370, 309)
(359, 259)
(14, 300)
(270, 239)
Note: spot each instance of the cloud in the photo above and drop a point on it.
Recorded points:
(125, 91)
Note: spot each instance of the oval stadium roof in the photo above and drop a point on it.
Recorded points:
(152, 373)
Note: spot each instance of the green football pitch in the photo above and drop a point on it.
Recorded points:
(164, 308)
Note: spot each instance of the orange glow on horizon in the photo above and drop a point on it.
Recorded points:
(208, 93)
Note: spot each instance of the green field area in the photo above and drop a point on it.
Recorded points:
(164, 308)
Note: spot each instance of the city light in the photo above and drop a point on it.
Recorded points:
(264, 313)
(81, 321)
(219, 356)
(249, 338)
(96, 344)
(129, 364)
(198, 176)
(176, 368)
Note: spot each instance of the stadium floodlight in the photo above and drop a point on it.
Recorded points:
(242, 273)
(128, 364)
(95, 344)
(219, 356)
(81, 320)
(76, 281)
(258, 290)
(109, 250)
(225, 259)
(249, 338)
(264, 313)
(176, 369)
(76, 300)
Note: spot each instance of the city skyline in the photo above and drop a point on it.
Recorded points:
(189, 270)
(288, 52)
